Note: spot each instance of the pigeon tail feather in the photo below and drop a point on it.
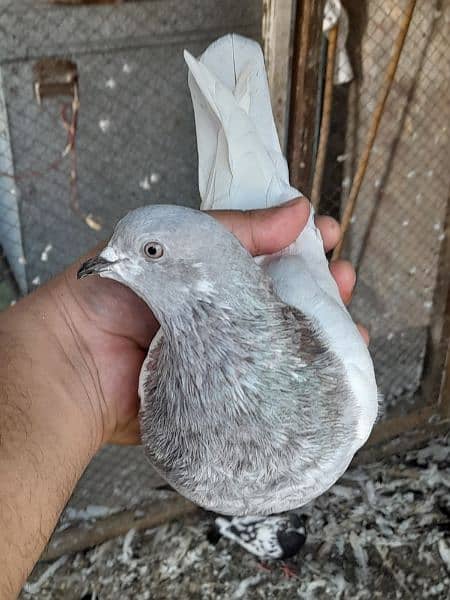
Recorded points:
(241, 165)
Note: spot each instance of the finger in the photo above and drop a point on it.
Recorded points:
(364, 333)
(267, 230)
(330, 231)
(345, 277)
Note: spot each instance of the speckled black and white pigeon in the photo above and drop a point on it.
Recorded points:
(258, 389)
(269, 538)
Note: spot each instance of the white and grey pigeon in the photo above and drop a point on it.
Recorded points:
(258, 388)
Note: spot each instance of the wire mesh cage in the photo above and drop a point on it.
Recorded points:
(398, 229)
(95, 119)
(376, 157)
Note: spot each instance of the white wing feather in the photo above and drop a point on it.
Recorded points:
(241, 166)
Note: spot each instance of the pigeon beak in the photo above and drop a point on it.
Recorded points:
(97, 264)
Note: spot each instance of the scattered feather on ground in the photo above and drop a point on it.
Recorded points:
(382, 532)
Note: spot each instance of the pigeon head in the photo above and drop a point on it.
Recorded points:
(173, 257)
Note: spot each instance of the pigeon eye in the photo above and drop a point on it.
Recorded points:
(153, 250)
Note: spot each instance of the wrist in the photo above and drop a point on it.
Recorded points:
(48, 431)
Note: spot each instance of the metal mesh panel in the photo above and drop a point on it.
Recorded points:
(65, 178)
(133, 143)
(399, 223)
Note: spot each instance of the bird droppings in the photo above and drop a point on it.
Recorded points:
(245, 584)
(381, 533)
(154, 178)
(346, 182)
(110, 83)
(127, 551)
(44, 255)
(36, 280)
(444, 552)
(91, 511)
(405, 223)
(104, 125)
(92, 222)
(22, 260)
(411, 174)
(33, 588)
(126, 68)
(437, 226)
(145, 183)
(427, 304)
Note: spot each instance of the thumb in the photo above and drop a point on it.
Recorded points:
(267, 230)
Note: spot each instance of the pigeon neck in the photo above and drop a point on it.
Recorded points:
(207, 311)
(217, 335)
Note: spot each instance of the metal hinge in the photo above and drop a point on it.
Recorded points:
(55, 77)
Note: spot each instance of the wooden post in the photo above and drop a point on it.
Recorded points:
(319, 167)
(83, 2)
(162, 509)
(277, 33)
(436, 383)
(303, 122)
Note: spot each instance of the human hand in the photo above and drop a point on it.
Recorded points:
(70, 358)
(113, 328)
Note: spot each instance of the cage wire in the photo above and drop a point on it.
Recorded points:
(114, 130)
(399, 223)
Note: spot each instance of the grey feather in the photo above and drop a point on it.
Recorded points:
(258, 389)
(242, 401)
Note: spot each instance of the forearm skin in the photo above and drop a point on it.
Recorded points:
(48, 430)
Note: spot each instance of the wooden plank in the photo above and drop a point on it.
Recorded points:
(390, 428)
(400, 444)
(85, 2)
(403, 433)
(277, 33)
(444, 389)
(444, 399)
(167, 507)
(436, 383)
(303, 121)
